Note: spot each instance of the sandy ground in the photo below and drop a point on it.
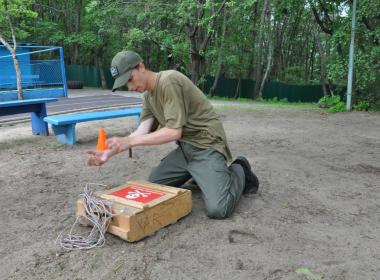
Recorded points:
(316, 216)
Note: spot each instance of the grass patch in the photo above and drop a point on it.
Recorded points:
(270, 103)
(15, 143)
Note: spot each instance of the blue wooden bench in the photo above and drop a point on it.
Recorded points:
(37, 108)
(64, 125)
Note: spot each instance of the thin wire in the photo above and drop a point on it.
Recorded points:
(99, 215)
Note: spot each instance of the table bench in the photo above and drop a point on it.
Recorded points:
(64, 125)
(37, 108)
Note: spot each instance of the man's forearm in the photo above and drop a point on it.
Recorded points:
(144, 127)
(161, 136)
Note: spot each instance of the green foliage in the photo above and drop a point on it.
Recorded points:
(201, 81)
(167, 32)
(293, 73)
(362, 105)
(373, 99)
(134, 38)
(308, 274)
(365, 101)
(367, 51)
(22, 17)
(332, 103)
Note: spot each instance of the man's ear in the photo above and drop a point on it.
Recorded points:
(142, 67)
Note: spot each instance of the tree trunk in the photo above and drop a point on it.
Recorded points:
(197, 56)
(219, 67)
(195, 67)
(325, 27)
(312, 61)
(199, 41)
(251, 59)
(102, 76)
(270, 52)
(158, 59)
(18, 74)
(77, 29)
(251, 55)
(259, 51)
(147, 53)
(308, 47)
(281, 50)
(238, 87)
(99, 63)
(20, 95)
(295, 26)
(321, 55)
(66, 30)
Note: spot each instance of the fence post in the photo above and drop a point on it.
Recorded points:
(63, 71)
(351, 59)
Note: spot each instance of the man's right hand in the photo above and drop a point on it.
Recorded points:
(97, 158)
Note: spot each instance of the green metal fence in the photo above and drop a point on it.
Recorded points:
(90, 77)
(293, 93)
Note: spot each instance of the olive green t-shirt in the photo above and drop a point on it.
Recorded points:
(176, 102)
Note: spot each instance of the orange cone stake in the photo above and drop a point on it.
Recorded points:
(102, 140)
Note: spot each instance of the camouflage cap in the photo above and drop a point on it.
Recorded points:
(121, 67)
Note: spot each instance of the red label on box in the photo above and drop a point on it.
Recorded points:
(138, 194)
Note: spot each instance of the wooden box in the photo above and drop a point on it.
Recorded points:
(142, 208)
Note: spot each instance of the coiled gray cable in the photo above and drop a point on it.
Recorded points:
(99, 216)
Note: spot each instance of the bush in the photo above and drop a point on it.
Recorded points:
(362, 105)
(368, 100)
(332, 103)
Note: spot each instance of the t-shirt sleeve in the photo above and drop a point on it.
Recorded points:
(146, 112)
(175, 106)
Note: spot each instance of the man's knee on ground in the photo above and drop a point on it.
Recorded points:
(155, 176)
(152, 178)
(217, 211)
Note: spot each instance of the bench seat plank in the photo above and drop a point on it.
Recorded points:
(92, 116)
(37, 108)
(25, 102)
(64, 125)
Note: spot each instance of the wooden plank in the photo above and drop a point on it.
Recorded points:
(159, 200)
(64, 125)
(92, 116)
(157, 186)
(24, 102)
(122, 200)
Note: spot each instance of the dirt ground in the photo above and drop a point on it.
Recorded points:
(316, 216)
